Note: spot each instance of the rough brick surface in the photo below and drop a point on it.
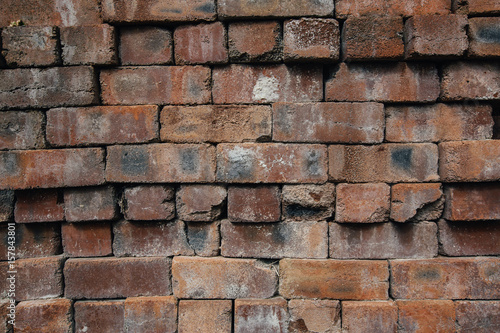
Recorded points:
(53, 315)
(483, 6)
(472, 202)
(345, 8)
(157, 313)
(254, 204)
(6, 205)
(483, 33)
(416, 202)
(148, 202)
(363, 203)
(255, 41)
(32, 240)
(38, 278)
(427, 316)
(86, 239)
(38, 206)
(308, 202)
(200, 202)
(146, 46)
(322, 316)
(90, 204)
(470, 80)
(21, 130)
(102, 316)
(477, 316)
(273, 8)
(204, 238)
(89, 45)
(469, 239)
(268, 315)
(373, 317)
(205, 316)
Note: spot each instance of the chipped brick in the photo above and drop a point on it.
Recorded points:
(308, 202)
(416, 202)
(200, 202)
(148, 202)
(322, 316)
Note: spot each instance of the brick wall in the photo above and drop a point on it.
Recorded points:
(251, 166)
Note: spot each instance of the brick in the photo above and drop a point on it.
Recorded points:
(21, 130)
(321, 316)
(336, 279)
(161, 163)
(146, 46)
(383, 241)
(7, 310)
(388, 82)
(119, 11)
(438, 122)
(148, 202)
(430, 36)
(150, 313)
(147, 239)
(483, 7)
(271, 163)
(363, 203)
(260, 315)
(275, 241)
(389, 163)
(257, 41)
(469, 161)
(376, 317)
(254, 204)
(32, 240)
(174, 85)
(472, 202)
(470, 80)
(266, 84)
(89, 45)
(27, 46)
(54, 315)
(38, 206)
(205, 43)
(102, 125)
(328, 122)
(6, 206)
(204, 238)
(346, 8)
(273, 8)
(38, 278)
(205, 316)
(372, 37)
(426, 316)
(200, 202)
(102, 316)
(86, 278)
(47, 87)
(194, 277)
(90, 204)
(477, 316)
(445, 278)
(311, 39)
(308, 202)
(215, 123)
(484, 35)
(469, 239)
(416, 202)
(86, 239)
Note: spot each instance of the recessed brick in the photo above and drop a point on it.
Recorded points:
(254, 204)
(416, 202)
(205, 316)
(477, 316)
(157, 313)
(273, 8)
(21, 130)
(469, 239)
(261, 315)
(484, 32)
(54, 315)
(258, 41)
(86, 239)
(472, 202)
(38, 206)
(148, 202)
(381, 316)
(470, 80)
(363, 203)
(102, 316)
(483, 7)
(6, 205)
(428, 316)
(322, 316)
(308, 202)
(90, 204)
(146, 46)
(200, 202)
(204, 238)
(346, 8)
(32, 240)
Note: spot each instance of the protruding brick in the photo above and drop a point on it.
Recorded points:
(391, 82)
(471, 80)
(426, 316)
(200, 202)
(148, 202)
(211, 316)
(308, 202)
(86, 239)
(261, 315)
(102, 125)
(32, 240)
(345, 8)
(481, 317)
(271, 163)
(38, 206)
(6, 205)
(89, 45)
(369, 317)
(277, 240)
(416, 202)
(257, 41)
(116, 277)
(483, 7)
(336, 279)
(90, 204)
(273, 8)
(146, 46)
(38, 278)
(472, 202)
(322, 316)
(21, 130)
(254, 204)
(194, 277)
(102, 316)
(363, 203)
(158, 314)
(469, 239)
(484, 32)
(204, 238)
(174, 85)
(54, 315)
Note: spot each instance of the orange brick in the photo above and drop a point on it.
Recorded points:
(146, 46)
(345, 8)
(260, 315)
(38, 206)
(469, 239)
(54, 315)
(33, 240)
(273, 8)
(484, 36)
(308, 202)
(148, 202)
(257, 41)
(483, 7)
(200, 202)
(427, 316)
(472, 202)
(470, 80)
(90, 204)
(254, 204)
(477, 316)
(416, 202)
(210, 316)
(157, 313)
(102, 316)
(21, 130)
(369, 317)
(363, 203)
(86, 239)
(322, 316)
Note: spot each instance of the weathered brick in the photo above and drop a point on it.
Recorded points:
(426, 316)
(388, 82)
(363, 203)
(90, 204)
(116, 277)
(86, 239)
(38, 278)
(200, 202)
(258, 41)
(47, 87)
(480, 317)
(54, 315)
(6, 205)
(148, 202)
(311, 39)
(204, 238)
(7, 310)
(345, 8)
(470, 80)
(372, 37)
(143, 314)
(438, 122)
(446, 278)
(194, 277)
(254, 204)
(173, 85)
(469, 239)
(205, 43)
(32, 240)
(267, 84)
(337, 279)
(321, 316)
(271, 163)
(148, 239)
(21, 130)
(89, 45)
(382, 241)
(483, 7)
(102, 125)
(276, 240)
(472, 202)
(416, 202)
(211, 316)
(273, 8)
(161, 163)
(102, 316)
(484, 36)
(146, 46)
(308, 202)
(38, 206)
(261, 315)
(389, 163)
(369, 317)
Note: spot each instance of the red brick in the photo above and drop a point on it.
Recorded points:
(254, 204)
(472, 202)
(146, 46)
(210, 316)
(102, 316)
(258, 41)
(389, 82)
(174, 85)
(102, 125)
(7, 310)
(438, 122)
(267, 84)
(215, 123)
(260, 315)
(426, 316)
(38, 278)
(38, 206)
(54, 315)
(148, 202)
(271, 163)
(470, 80)
(363, 203)
(308, 202)
(311, 39)
(204, 238)
(90, 204)
(369, 317)
(89, 45)
(200, 44)
(6, 206)
(469, 239)
(483, 7)
(484, 40)
(478, 317)
(195, 277)
(161, 163)
(345, 8)
(373, 37)
(27, 46)
(32, 240)
(86, 239)
(389, 163)
(200, 202)
(337, 279)
(47, 87)
(21, 130)
(273, 8)
(416, 202)
(321, 316)
(276, 240)
(141, 239)
(445, 278)
(116, 277)
(158, 314)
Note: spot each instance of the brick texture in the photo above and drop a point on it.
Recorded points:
(146, 46)
(315, 315)
(254, 204)
(89, 45)
(345, 8)
(86, 239)
(469, 239)
(38, 278)
(21, 130)
(205, 316)
(484, 37)
(363, 203)
(31, 316)
(200, 202)
(90, 204)
(273, 8)
(268, 315)
(157, 313)
(106, 316)
(477, 316)
(38, 206)
(6, 205)
(308, 202)
(428, 316)
(33, 240)
(466, 81)
(416, 202)
(473, 202)
(369, 316)
(148, 202)
(255, 41)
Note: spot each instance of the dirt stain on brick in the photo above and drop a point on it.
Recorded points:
(190, 160)
(402, 158)
(134, 161)
(489, 35)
